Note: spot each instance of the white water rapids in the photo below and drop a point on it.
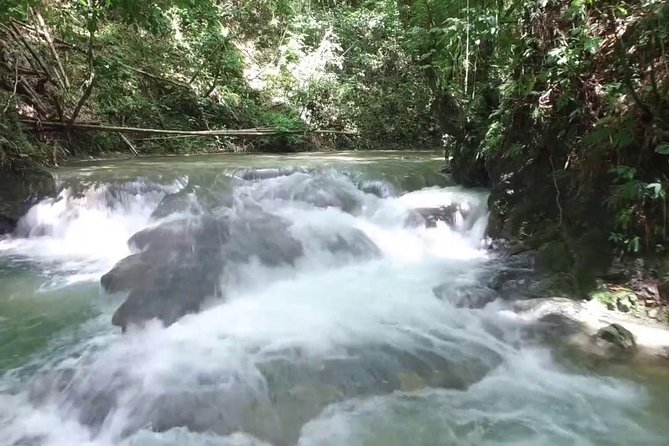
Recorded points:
(338, 348)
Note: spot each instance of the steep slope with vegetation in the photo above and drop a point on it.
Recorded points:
(561, 107)
(285, 65)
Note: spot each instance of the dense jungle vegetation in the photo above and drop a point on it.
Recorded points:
(561, 107)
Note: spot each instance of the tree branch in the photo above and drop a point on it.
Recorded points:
(32, 96)
(16, 83)
(32, 51)
(91, 78)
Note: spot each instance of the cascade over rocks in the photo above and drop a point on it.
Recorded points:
(199, 238)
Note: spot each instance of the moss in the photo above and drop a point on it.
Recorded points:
(618, 336)
(619, 299)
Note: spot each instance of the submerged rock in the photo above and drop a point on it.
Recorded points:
(271, 398)
(379, 188)
(477, 297)
(265, 174)
(444, 214)
(319, 190)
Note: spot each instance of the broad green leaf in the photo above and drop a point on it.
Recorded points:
(662, 148)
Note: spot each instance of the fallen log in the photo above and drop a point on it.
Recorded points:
(223, 132)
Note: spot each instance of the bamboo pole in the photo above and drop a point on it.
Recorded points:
(47, 36)
(32, 51)
(224, 132)
(128, 144)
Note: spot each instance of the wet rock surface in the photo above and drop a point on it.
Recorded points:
(445, 214)
(272, 400)
(588, 328)
(199, 237)
(21, 184)
(617, 336)
(7, 225)
(179, 263)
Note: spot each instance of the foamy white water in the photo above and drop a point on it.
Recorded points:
(347, 346)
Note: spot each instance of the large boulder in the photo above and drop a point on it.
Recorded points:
(179, 263)
(176, 269)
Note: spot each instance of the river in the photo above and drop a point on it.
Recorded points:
(342, 341)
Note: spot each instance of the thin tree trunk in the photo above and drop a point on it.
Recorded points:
(213, 84)
(467, 53)
(266, 131)
(16, 83)
(91, 78)
(128, 144)
(32, 51)
(32, 96)
(52, 47)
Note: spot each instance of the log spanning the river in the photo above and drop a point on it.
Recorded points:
(261, 131)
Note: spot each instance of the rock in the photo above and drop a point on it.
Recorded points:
(623, 306)
(622, 300)
(178, 264)
(344, 241)
(265, 174)
(266, 237)
(589, 329)
(658, 313)
(319, 190)
(126, 274)
(618, 336)
(22, 184)
(172, 235)
(517, 277)
(465, 298)
(7, 225)
(173, 203)
(379, 188)
(444, 214)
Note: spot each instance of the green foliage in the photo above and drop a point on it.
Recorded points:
(634, 203)
(15, 9)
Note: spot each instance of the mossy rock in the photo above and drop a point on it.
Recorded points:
(617, 336)
(624, 301)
